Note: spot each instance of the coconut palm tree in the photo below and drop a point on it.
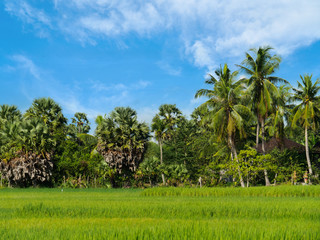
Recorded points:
(307, 112)
(260, 64)
(226, 114)
(282, 112)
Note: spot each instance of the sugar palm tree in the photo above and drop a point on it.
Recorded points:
(9, 113)
(30, 141)
(35, 137)
(307, 112)
(26, 150)
(259, 65)
(9, 139)
(163, 126)
(226, 113)
(122, 139)
(160, 132)
(170, 114)
(48, 111)
(80, 123)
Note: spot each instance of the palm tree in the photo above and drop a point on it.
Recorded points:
(9, 139)
(30, 141)
(307, 112)
(281, 113)
(80, 123)
(48, 111)
(163, 125)
(35, 137)
(185, 132)
(159, 128)
(226, 113)
(170, 114)
(26, 150)
(9, 113)
(122, 139)
(260, 65)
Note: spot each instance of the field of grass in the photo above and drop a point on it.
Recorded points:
(161, 213)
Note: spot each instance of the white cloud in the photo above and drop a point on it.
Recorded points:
(141, 84)
(197, 101)
(169, 69)
(26, 12)
(30, 15)
(110, 18)
(23, 62)
(72, 105)
(202, 53)
(36, 82)
(146, 114)
(211, 30)
(100, 86)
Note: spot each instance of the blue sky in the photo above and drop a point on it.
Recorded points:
(93, 55)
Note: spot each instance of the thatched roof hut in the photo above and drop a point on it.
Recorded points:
(281, 144)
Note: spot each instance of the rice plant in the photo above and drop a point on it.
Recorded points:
(160, 213)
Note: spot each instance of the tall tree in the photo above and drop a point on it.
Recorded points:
(163, 125)
(9, 113)
(122, 139)
(307, 112)
(226, 113)
(260, 64)
(10, 118)
(80, 123)
(159, 129)
(185, 132)
(281, 114)
(32, 141)
(48, 111)
(26, 152)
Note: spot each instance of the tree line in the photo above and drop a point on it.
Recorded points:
(255, 130)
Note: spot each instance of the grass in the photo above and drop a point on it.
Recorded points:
(279, 191)
(161, 213)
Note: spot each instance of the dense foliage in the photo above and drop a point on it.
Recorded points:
(256, 130)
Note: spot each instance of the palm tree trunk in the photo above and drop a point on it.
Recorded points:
(257, 135)
(161, 161)
(150, 181)
(307, 151)
(235, 156)
(264, 151)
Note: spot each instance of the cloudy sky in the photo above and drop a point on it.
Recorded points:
(93, 55)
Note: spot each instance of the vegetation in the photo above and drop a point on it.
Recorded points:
(307, 112)
(248, 132)
(161, 213)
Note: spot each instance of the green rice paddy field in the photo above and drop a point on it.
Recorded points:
(161, 213)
